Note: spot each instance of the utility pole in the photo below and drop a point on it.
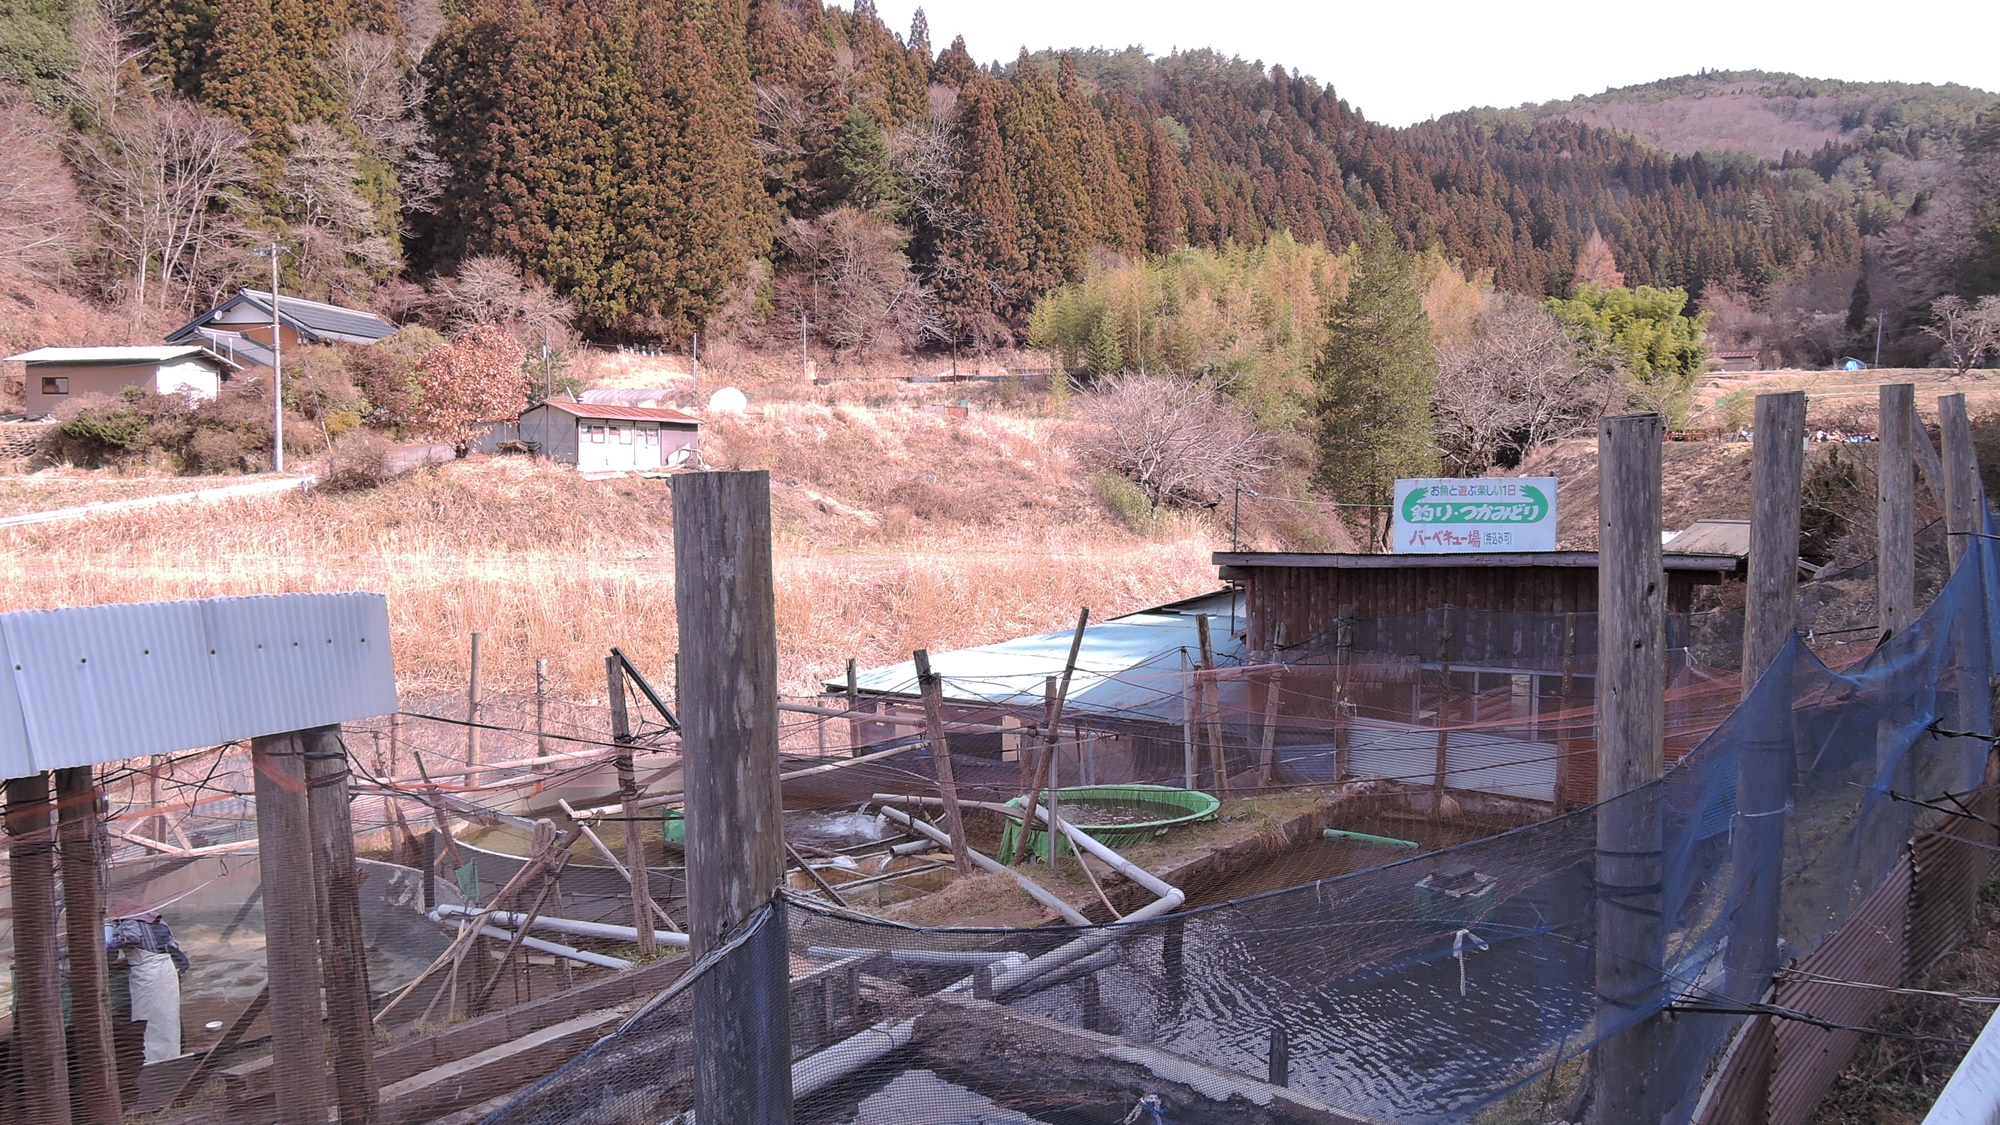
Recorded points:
(1236, 515)
(1879, 314)
(1631, 728)
(735, 828)
(805, 361)
(694, 365)
(274, 251)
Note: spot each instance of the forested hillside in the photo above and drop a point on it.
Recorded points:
(749, 168)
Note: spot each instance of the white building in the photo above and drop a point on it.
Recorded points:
(57, 376)
(602, 437)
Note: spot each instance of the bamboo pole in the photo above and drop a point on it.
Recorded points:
(1044, 760)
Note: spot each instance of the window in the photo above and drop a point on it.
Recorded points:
(55, 385)
(624, 434)
(596, 434)
(649, 436)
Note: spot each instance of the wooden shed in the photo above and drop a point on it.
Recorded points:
(601, 437)
(1305, 595)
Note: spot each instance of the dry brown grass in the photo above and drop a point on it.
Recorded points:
(545, 564)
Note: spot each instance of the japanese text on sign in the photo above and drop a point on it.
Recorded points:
(1487, 514)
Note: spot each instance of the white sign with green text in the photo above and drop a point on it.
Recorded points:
(1481, 515)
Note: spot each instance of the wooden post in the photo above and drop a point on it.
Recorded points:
(1765, 762)
(1272, 678)
(83, 928)
(1566, 733)
(1961, 477)
(1895, 509)
(735, 830)
(853, 705)
(343, 944)
(1631, 718)
(291, 931)
(1442, 766)
(1211, 698)
(1051, 734)
(932, 687)
(472, 714)
(628, 797)
(1187, 723)
(542, 714)
(40, 1056)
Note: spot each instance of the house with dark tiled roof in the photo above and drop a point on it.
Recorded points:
(240, 327)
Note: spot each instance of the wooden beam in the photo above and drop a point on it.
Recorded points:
(735, 829)
(1961, 477)
(932, 687)
(628, 797)
(39, 1054)
(1895, 509)
(1631, 723)
(343, 942)
(83, 926)
(291, 930)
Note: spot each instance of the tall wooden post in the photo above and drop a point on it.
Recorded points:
(735, 828)
(1961, 477)
(1895, 509)
(853, 705)
(291, 928)
(1631, 728)
(83, 928)
(39, 1052)
(1209, 692)
(1765, 763)
(628, 797)
(343, 944)
(541, 714)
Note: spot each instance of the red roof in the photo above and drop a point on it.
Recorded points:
(611, 412)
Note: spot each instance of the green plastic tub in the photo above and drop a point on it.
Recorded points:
(1158, 807)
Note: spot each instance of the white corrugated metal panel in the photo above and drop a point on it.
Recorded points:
(1484, 763)
(1972, 1097)
(104, 683)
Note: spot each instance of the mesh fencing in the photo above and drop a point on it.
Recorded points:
(1452, 984)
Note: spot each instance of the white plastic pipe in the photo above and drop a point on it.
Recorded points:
(549, 947)
(608, 931)
(1035, 890)
(957, 958)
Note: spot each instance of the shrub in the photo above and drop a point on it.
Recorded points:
(357, 462)
(1128, 502)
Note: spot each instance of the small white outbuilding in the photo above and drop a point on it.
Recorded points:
(602, 437)
(59, 376)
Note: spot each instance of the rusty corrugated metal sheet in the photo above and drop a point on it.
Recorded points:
(1869, 948)
(1741, 1094)
(95, 684)
(1950, 863)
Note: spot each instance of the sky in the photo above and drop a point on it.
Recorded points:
(1408, 62)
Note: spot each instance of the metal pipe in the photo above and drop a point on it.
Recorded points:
(606, 930)
(954, 958)
(986, 863)
(549, 947)
(1367, 838)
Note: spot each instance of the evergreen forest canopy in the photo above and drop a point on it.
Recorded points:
(746, 167)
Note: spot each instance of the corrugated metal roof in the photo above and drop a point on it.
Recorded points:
(145, 353)
(627, 396)
(613, 413)
(1128, 667)
(1712, 537)
(97, 684)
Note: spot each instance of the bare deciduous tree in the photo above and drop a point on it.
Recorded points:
(858, 289)
(43, 224)
(1965, 330)
(385, 97)
(1183, 444)
(166, 180)
(332, 226)
(1519, 381)
(489, 290)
